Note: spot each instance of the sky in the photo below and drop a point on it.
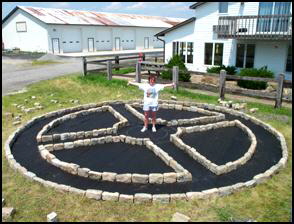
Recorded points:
(167, 9)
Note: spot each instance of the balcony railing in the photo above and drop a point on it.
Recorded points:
(264, 27)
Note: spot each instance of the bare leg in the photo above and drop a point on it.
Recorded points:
(153, 118)
(146, 113)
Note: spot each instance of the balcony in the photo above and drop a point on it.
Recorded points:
(262, 27)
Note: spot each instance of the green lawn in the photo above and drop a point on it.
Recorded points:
(269, 201)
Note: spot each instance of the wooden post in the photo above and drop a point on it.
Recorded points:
(279, 95)
(109, 70)
(155, 58)
(84, 66)
(222, 83)
(176, 77)
(138, 72)
(116, 62)
(143, 57)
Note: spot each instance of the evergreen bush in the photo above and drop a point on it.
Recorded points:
(253, 72)
(176, 60)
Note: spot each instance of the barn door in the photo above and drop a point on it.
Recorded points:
(146, 42)
(91, 44)
(117, 44)
(55, 45)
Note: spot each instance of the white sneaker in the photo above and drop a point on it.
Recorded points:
(153, 129)
(143, 129)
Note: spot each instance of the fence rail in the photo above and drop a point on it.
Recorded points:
(144, 65)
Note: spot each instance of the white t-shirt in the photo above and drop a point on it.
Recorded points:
(151, 93)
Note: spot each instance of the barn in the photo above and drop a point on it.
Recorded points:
(65, 31)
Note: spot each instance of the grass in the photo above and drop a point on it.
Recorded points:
(270, 201)
(44, 62)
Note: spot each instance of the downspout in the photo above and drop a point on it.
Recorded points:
(163, 48)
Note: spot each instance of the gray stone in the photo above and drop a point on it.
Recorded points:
(161, 198)
(126, 198)
(178, 217)
(174, 197)
(108, 176)
(52, 217)
(155, 178)
(140, 178)
(194, 195)
(16, 123)
(84, 172)
(124, 178)
(95, 194)
(108, 196)
(169, 177)
(142, 197)
(68, 145)
(7, 212)
(95, 175)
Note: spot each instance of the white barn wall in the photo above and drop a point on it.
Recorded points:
(101, 33)
(26, 41)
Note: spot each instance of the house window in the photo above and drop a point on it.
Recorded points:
(275, 24)
(218, 53)
(223, 7)
(190, 52)
(213, 53)
(183, 51)
(175, 48)
(208, 53)
(21, 26)
(245, 55)
(289, 60)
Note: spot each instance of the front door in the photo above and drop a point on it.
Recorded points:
(55, 45)
(90, 44)
(117, 43)
(146, 42)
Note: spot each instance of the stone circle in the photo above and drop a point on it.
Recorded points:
(183, 176)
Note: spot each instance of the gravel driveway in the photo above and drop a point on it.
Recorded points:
(18, 73)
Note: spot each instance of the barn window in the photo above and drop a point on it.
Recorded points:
(127, 40)
(108, 41)
(131, 40)
(102, 41)
(54, 30)
(21, 27)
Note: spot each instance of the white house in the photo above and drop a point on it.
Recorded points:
(63, 31)
(241, 34)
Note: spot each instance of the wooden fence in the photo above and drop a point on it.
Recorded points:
(278, 97)
(116, 59)
(221, 89)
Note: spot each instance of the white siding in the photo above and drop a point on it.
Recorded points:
(270, 53)
(35, 39)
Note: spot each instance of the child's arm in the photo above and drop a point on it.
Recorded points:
(133, 83)
(169, 85)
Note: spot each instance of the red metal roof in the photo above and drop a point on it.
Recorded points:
(78, 17)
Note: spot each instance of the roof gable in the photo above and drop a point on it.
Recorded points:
(162, 33)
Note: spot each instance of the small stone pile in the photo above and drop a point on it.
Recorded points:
(7, 212)
(230, 104)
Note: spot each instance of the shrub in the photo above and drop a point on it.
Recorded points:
(231, 70)
(176, 60)
(253, 72)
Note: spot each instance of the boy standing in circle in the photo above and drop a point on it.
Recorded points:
(151, 91)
